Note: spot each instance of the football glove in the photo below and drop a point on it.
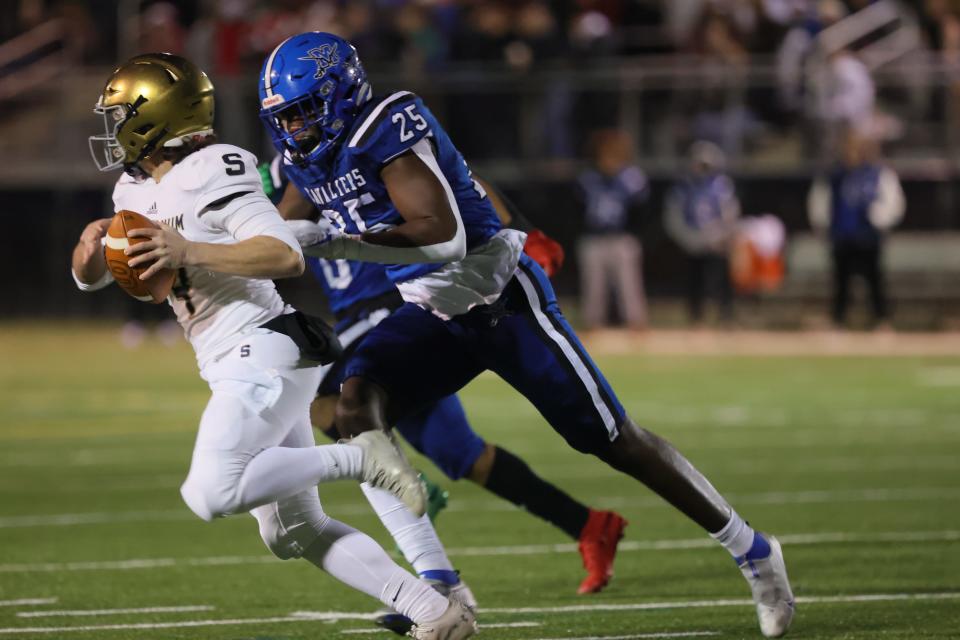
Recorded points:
(545, 251)
(313, 236)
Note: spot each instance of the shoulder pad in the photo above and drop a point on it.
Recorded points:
(122, 191)
(397, 123)
(218, 171)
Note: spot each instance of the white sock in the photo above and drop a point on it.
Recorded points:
(415, 536)
(413, 598)
(357, 560)
(736, 537)
(279, 472)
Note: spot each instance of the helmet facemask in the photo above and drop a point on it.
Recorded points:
(135, 145)
(305, 127)
(107, 152)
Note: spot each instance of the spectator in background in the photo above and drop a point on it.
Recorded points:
(721, 112)
(845, 90)
(423, 44)
(366, 27)
(593, 43)
(537, 39)
(609, 254)
(281, 19)
(700, 214)
(942, 26)
(856, 203)
(160, 28)
(845, 95)
(219, 41)
(484, 121)
(791, 57)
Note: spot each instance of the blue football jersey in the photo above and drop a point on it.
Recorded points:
(345, 282)
(350, 194)
(703, 198)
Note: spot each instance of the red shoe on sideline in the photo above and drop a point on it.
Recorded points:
(598, 547)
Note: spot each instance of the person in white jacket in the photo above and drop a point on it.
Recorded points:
(857, 203)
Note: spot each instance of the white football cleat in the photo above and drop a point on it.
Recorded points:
(459, 592)
(400, 624)
(456, 623)
(385, 467)
(771, 590)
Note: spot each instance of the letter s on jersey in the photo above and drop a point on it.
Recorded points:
(234, 164)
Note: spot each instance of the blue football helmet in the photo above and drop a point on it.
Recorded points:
(311, 88)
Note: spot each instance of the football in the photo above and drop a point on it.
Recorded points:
(154, 290)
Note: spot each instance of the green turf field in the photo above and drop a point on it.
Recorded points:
(854, 462)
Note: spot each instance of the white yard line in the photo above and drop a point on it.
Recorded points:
(642, 636)
(830, 496)
(483, 627)
(27, 602)
(852, 495)
(113, 612)
(733, 602)
(304, 616)
(705, 542)
(802, 539)
(149, 625)
(138, 563)
(69, 519)
(896, 494)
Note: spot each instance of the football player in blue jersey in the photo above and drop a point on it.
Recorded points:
(393, 189)
(361, 295)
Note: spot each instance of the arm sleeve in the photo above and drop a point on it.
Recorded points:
(104, 280)
(818, 205)
(730, 210)
(888, 208)
(249, 215)
(675, 225)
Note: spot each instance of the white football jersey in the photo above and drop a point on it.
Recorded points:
(214, 195)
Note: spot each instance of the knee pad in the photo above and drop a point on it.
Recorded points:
(209, 498)
(288, 536)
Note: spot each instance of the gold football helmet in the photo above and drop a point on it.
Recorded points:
(152, 100)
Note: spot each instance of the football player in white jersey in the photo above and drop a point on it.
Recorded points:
(254, 450)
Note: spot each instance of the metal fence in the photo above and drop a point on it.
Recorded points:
(535, 125)
(528, 132)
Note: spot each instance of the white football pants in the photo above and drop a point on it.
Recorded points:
(255, 452)
(255, 448)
